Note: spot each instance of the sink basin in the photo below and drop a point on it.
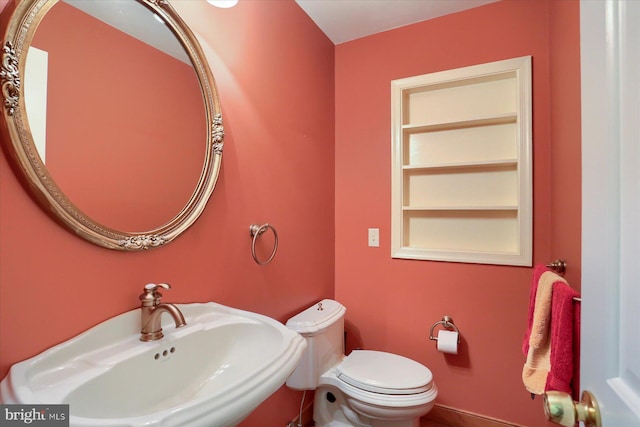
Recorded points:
(212, 372)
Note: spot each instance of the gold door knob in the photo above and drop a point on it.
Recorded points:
(561, 409)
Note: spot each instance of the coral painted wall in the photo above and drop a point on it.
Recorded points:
(276, 85)
(275, 74)
(392, 303)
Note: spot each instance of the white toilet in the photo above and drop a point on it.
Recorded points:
(364, 389)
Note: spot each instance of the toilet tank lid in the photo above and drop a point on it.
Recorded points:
(317, 317)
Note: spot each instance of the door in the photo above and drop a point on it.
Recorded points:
(610, 356)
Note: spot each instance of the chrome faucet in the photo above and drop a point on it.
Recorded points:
(151, 312)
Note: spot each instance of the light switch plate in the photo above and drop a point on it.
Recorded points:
(374, 237)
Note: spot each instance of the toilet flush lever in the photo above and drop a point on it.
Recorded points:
(320, 308)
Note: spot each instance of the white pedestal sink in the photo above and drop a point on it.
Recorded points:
(212, 372)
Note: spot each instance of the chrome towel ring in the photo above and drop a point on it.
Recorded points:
(255, 230)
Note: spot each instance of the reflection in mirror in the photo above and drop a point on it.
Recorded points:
(126, 124)
(35, 97)
(118, 122)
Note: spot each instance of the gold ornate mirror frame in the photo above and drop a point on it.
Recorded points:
(26, 161)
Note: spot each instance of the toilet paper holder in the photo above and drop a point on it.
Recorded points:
(447, 323)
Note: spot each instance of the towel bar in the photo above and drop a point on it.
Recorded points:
(560, 267)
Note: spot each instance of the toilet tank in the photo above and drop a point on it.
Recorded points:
(322, 327)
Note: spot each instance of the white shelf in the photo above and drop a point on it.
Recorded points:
(461, 208)
(461, 124)
(461, 165)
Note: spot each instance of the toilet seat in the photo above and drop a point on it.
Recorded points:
(384, 373)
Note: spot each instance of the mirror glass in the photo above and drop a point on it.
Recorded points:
(119, 112)
(117, 124)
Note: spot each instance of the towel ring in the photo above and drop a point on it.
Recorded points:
(255, 230)
(447, 323)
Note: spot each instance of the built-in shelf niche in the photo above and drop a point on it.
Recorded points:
(461, 164)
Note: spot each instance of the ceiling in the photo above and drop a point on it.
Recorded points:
(140, 23)
(345, 20)
(340, 20)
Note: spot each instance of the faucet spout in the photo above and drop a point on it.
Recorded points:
(151, 312)
(152, 328)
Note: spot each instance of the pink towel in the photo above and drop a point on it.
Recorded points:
(549, 339)
(563, 325)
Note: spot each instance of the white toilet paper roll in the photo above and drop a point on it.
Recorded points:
(448, 341)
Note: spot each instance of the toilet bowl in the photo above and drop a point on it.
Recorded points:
(366, 388)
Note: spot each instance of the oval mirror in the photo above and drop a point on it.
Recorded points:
(111, 117)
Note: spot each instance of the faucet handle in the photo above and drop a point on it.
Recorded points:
(151, 296)
(152, 287)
